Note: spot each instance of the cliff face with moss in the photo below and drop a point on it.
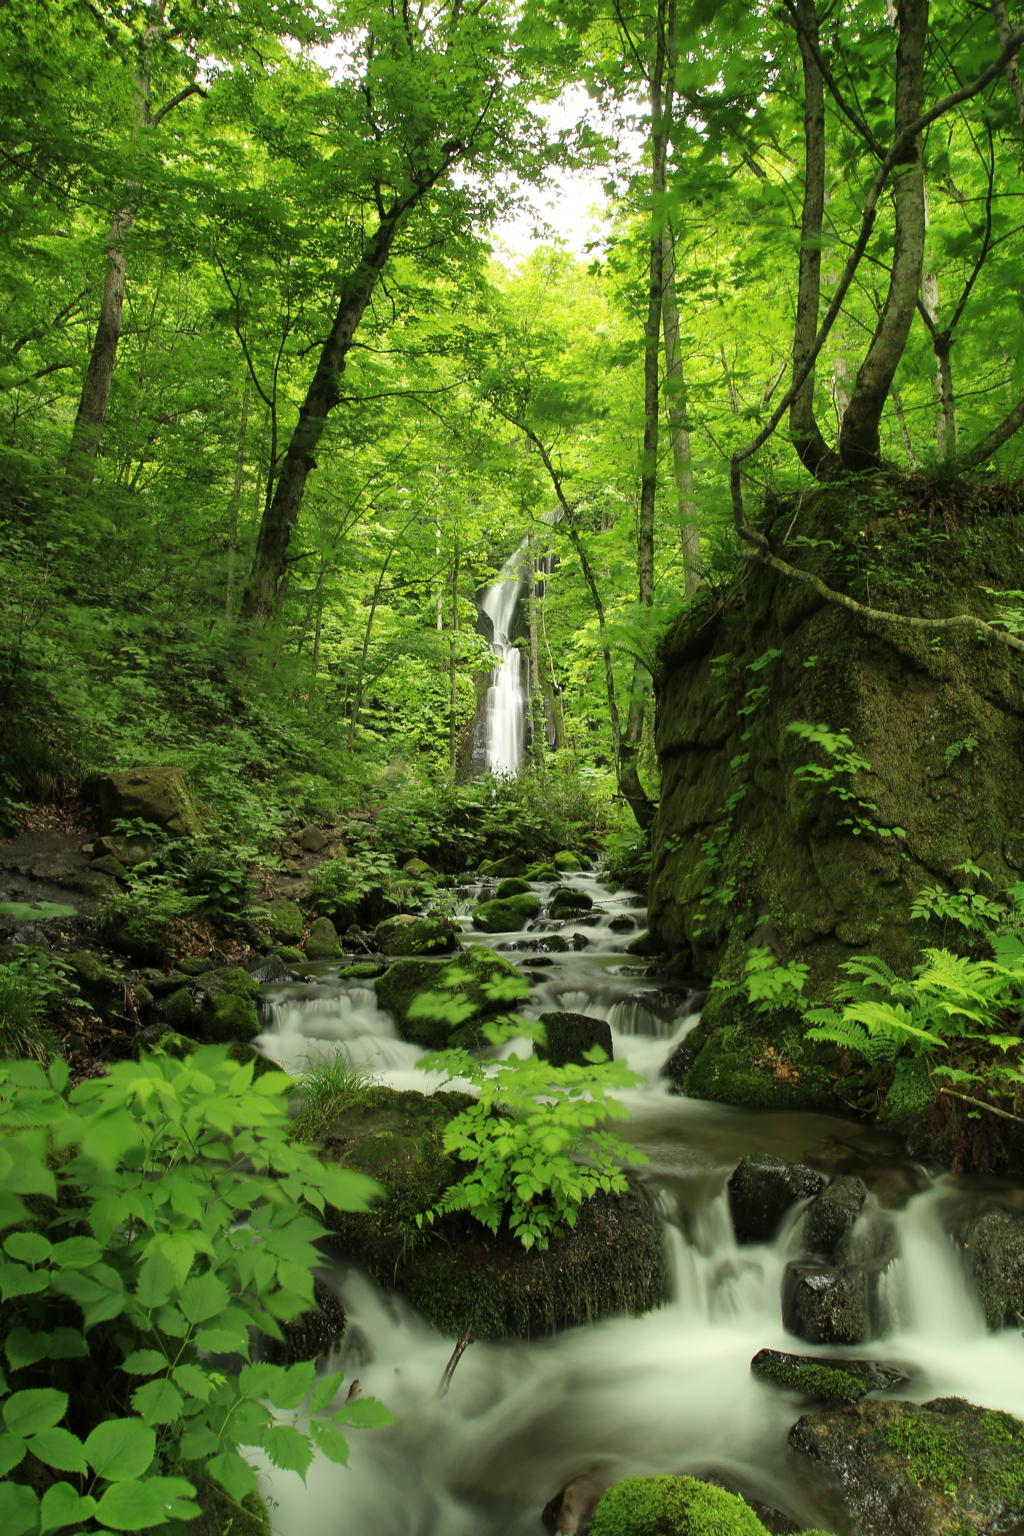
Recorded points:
(767, 837)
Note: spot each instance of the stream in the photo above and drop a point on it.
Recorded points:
(668, 1392)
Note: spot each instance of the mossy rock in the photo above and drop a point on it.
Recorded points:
(546, 874)
(991, 1243)
(312, 1334)
(367, 970)
(457, 1273)
(288, 953)
(161, 1037)
(946, 1467)
(407, 935)
(513, 887)
(505, 916)
(157, 795)
(568, 1037)
(226, 1517)
(647, 945)
(908, 1100)
(737, 1066)
(566, 902)
(229, 1016)
(322, 942)
(179, 1008)
(142, 995)
(100, 983)
(228, 978)
(285, 921)
(419, 869)
(194, 965)
(243, 1053)
(108, 865)
(829, 1380)
(672, 1506)
(566, 862)
(406, 978)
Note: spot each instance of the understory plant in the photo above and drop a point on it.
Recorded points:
(534, 1134)
(154, 1221)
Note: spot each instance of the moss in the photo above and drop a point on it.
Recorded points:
(288, 953)
(647, 945)
(571, 901)
(285, 920)
(506, 916)
(513, 887)
(322, 942)
(179, 1009)
(249, 1518)
(567, 862)
(228, 1016)
(368, 969)
(672, 1506)
(737, 1066)
(544, 874)
(909, 1099)
(230, 978)
(568, 1036)
(406, 935)
(503, 868)
(827, 1383)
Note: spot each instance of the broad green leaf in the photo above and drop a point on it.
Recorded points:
(63, 1506)
(99, 1291)
(23, 1347)
(232, 1473)
(223, 1341)
(287, 1448)
(297, 1384)
(16, 1280)
(158, 1402)
(156, 1281)
(203, 1297)
(120, 1448)
(325, 1390)
(29, 1247)
(25, 1413)
(262, 1379)
(59, 1448)
(12, 1451)
(19, 1510)
(131, 1506)
(58, 1072)
(76, 1252)
(67, 1344)
(145, 1362)
(193, 1380)
(179, 1251)
(12, 1209)
(330, 1442)
(177, 1496)
(364, 1413)
(199, 1442)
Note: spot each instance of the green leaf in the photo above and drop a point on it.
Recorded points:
(22, 1347)
(364, 1413)
(120, 1448)
(16, 1280)
(232, 1473)
(76, 1252)
(193, 1380)
(29, 1247)
(263, 1380)
(63, 1506)
(19, 1510)
(325, 1390)
(145, 1362)
(330, 1442)
(67, 1344)
(131, 1506)
(39, 1408)
(59, 1448)
(202, 1297)
(12, 1451)
(287, 1448)
(177, 1495)
(297, 1384)
(158, 1402)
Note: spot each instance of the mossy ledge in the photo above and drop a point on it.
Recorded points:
(457, 1273)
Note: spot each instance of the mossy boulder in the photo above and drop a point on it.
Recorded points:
(407, 935)
(463, 979)
(288, 953)
(946, 1467)
(178, 1009)
(130, 851)
(991, 1244)
(832, 1304)
(230, 1016)
(419, 869)
(457, 1273)
(502, 868)
(838, 1380)
(646, 945)
(507, 916)
(163, 986)
(161, 1037)
(568, 1036)
(567, 863)
(108, 865)
(284, 920)
(567, 903)
(796, 876)
(513, 887)
(672, 1506)
(101, 984)
(194, 965)
(322, 942)
(312, 1334)
(546, 874)
(228, 978)
(367, 970)
(740, 1065)
(910, 1096)
(157, 795)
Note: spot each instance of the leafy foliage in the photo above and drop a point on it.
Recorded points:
(178, 1218)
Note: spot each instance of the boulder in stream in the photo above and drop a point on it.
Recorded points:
(500, 868)
(462, 978)
(457, 1272)
(944, 1468)
(284, 920)
(322, 943)
(312, 1334)
(830, 1379)
(408, 935)
(672, 1506)
(831, 1214)
(566, 902)
(762, 1187)
(570, 1035)
(992, 1244)
(513, 887)
(507, 916)
(826, 1304)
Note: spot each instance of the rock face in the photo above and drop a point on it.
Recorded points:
(459, 1274)
(944, 1468)
(838, 1380)
(157, 795)
(672, 1506)
(992, 1245)
(570, 1036)
(761, 1190)
(781, 843)
(407, 935)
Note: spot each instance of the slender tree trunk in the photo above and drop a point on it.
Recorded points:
(538, 717)
(557, 705)
(319, 619)
(236, 496)
(813, 451)
(945, 425)
(357, 701)
(908, 447)
(1013, 67)
(283, 511)
(734, 399)
(675, 403)
(859, 445)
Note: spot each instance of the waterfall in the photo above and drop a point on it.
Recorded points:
(507, 692)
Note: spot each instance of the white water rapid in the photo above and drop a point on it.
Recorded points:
(668, 1392)
(507, 692)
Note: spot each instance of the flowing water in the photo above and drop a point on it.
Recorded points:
(506, 694)
(668, 1392)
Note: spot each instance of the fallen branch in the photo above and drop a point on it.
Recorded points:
(980, 1104)
(449, 1370)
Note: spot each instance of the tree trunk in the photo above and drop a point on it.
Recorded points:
(236, 494)
(859, 446)
(812, 450)
(538, 714)
(945, 425)
(675, 404)
(283, 511)
(1013, 66)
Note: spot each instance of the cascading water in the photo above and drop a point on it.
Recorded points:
(506, 694)
(668, 1392)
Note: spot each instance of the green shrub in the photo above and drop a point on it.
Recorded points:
(177, 1219)
(219, 884)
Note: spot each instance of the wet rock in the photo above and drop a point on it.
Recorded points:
(830, 1379)
(622, 924)
(567, 863)
(500, 868)
(229, 1016)
(831, 1214)
(130, 851)
(157, 795)
(514, 887)
(647, 945)
(459, 1274)
(271, 968)
(163, 986)
(322, 943)
(675, 1506)
(676, 1068)
(405, 979)
(565, 902)
(505, 916)
(761, 1190)
(234, 979)
(580, 941)
(570, 1035)
(548, 943)
(284, 920)
(311, 1335)
(826, 1305)
(569, 1512)
(993, 1249)
(364, 969)
(407, 935)
(944, 1468)
(664, 1003)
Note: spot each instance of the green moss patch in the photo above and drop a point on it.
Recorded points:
(672, 1506)
(406, 978)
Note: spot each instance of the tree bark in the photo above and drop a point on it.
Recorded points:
(1013, 65)
(675, 404)
(812, 450)
(859, 445)
(945, 425)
